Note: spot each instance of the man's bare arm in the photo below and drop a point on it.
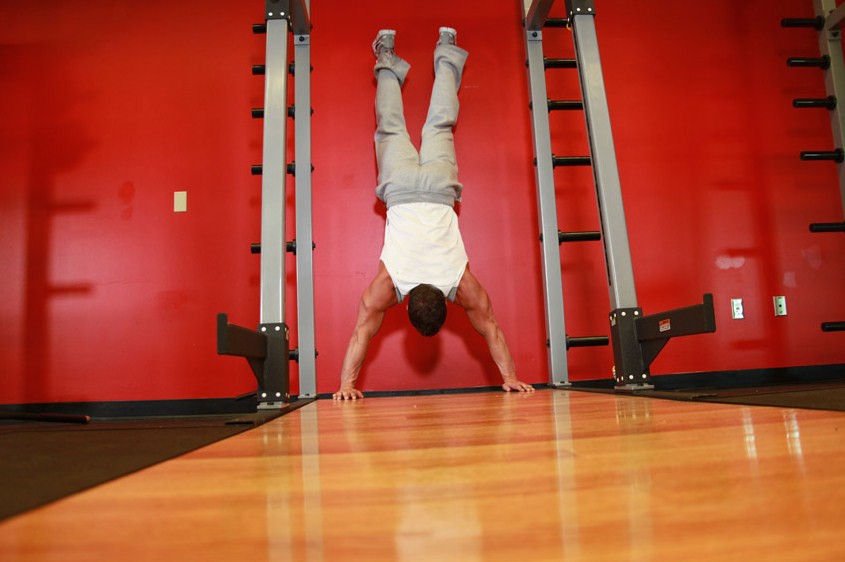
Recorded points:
(475, 300)
(377, 298)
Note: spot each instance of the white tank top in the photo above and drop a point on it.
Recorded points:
(422, 244)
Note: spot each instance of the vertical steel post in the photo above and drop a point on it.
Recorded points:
(611, 208)
(304, 235)
(273, 170)
(546, 208)
(629, 366)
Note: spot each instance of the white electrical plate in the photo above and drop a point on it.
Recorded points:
(780, 306)
(180, 201)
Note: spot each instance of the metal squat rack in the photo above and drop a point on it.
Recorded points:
(636, 339)
(828, 22)
(267, 349)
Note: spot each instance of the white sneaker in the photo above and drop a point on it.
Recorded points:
(448, 36)
(384, 42)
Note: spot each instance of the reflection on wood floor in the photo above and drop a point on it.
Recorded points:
(554, 475)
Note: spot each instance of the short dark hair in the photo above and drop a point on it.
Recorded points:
(426, 309)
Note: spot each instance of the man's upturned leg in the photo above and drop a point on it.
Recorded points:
(437, 140)
(393, 145)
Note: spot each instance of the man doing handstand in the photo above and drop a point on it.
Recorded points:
(423, 257)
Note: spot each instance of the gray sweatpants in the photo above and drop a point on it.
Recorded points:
(430, 175)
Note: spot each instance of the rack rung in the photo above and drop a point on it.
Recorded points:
(822, 62)
(816, 23)
(565, 105)
(255, 248)
(571, 161)
(827, 227)
(556, 22)
(559, 63)
(587, 341)
(578, 236)
(836, 155)
(828, 103)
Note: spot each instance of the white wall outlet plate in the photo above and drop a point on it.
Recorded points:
(180, 201)
(780, 306)
(737, 310)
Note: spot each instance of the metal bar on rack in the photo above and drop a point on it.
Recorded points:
(630, 369)
(618, 254)
(304, 232)
(273, 170)
(546, 204)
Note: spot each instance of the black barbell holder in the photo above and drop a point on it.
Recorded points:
(827, 227)
(833, 326)
(571, 161)
(821, 62)
(827, 103)
(255, 248)
(816, 23)
(836, 155)
(556, 22)
(559, 63)
(588, 236)
(565, 105)
(587, 341)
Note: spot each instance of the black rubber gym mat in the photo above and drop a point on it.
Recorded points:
(825, 398)
(43, 462)
(814, 396)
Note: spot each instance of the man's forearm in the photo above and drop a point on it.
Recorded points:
(504, 361)
(356, 352)
(352, 363)
(501, 354)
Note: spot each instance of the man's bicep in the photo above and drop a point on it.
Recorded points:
(476, 302)
(370, 316)
(471, 295)
(377, 298)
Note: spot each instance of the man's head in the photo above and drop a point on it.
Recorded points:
(426, 309)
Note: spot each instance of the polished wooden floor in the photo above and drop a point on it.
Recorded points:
(554, 475)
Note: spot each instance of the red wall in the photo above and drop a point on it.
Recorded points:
(106, 294)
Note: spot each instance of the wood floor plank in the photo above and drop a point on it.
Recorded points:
(555, 475)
